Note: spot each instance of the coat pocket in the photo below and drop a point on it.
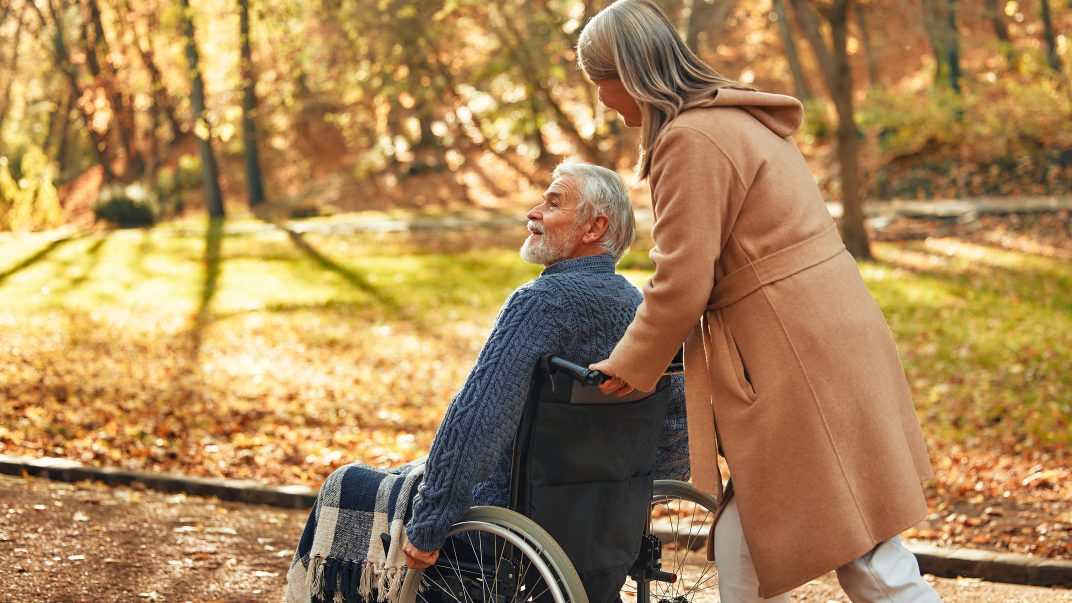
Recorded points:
(738, 366)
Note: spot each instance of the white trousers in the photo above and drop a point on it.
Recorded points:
(888, 573)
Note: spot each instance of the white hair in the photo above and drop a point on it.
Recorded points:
(602, 192)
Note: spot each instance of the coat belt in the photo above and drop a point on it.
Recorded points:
(783, 263)
(704, 441)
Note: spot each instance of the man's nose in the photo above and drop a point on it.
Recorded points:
(535, 213)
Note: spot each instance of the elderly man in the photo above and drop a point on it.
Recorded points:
(577, 308)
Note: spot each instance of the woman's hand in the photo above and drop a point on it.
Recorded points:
(615, 385)
(416, 558)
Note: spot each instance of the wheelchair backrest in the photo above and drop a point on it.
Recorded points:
(582, 468)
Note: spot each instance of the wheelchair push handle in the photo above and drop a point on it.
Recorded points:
(554, 364)
(578, 373)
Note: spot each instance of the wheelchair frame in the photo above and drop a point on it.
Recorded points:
(537, 568)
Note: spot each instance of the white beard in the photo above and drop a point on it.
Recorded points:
(546, 251)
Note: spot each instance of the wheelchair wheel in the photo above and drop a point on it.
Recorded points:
(681, 520)
(496, 555)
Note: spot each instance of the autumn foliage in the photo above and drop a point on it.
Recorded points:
(262, 352)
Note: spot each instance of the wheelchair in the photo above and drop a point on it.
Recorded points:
(584, 512)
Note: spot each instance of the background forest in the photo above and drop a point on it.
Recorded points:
(323, 105)
(303, 333)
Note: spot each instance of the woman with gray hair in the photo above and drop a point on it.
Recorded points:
(791, 370)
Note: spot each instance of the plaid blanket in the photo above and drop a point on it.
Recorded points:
(341, 557)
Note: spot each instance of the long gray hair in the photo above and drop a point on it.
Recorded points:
(632, 40)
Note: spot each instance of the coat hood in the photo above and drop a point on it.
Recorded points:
(781, 114)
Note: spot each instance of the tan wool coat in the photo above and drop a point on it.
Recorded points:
(784, 343)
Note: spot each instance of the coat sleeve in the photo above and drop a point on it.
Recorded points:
(695, 185)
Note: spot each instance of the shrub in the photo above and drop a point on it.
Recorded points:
(1002, 136)
(818, 122)
(169, 193)
(28, 197)
(188, 174)
(308, 209)
(126, 207)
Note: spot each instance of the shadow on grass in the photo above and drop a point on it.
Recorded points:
(39, 255)
(186, 382)
(90, 259)
(394, 309)
(145, 246)
(1039, 287)
(209, 283)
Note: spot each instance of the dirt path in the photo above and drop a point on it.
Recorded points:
(88, 542)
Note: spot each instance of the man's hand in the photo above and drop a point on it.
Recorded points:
(615, 385)
(416, 558)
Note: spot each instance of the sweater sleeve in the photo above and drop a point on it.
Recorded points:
(482, 418)
(694, 185)
(672, 456)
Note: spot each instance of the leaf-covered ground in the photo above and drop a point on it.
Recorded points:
(265, 353)
(90, 542)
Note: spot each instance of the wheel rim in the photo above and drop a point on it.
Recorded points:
(515, 568)
(682, 524)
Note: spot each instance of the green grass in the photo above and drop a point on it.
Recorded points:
(179, 269)
(986, 338)
(260, 352)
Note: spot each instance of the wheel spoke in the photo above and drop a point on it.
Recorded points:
(522, 576)
(457, 569)
(686, 512)
(535, 597)
(483, 577)
(443, 586)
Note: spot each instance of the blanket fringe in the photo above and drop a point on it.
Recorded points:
(332, 580)
(390, 584)
(362, 572)
(315, 576)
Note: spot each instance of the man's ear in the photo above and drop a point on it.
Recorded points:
(597, 227)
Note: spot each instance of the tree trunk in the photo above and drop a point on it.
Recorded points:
(940, 21)
(209, 171)
(707, 20)
(834, 63)
(800, 83)
(154, 135)
(672, 9)
(543, 156)
(1047, 31)
(163, 102)
(933, 25)
(5, 6)
(50, 132)
(853, 230)
(5, 100)
(997, 20)
(106, 73)
(254, 178)
(859, 11)
(65, 126)
(61, 56)
(952, 45)
(996, 16)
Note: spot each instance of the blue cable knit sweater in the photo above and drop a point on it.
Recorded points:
(578, 309)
